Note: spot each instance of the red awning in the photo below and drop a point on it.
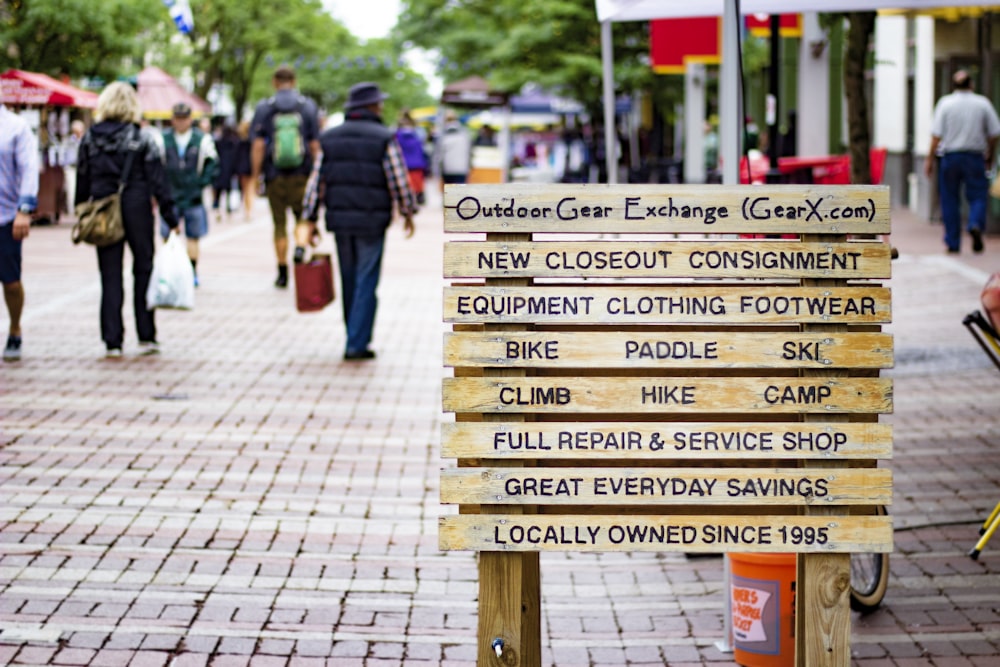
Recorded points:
(159, 92)
(20, 87)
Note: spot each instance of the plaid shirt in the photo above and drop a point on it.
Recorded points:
(395, 174)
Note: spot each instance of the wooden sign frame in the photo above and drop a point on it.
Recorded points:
(664, 388)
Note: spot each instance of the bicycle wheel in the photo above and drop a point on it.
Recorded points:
(869, 578)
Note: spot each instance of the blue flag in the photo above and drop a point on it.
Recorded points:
(180, 12)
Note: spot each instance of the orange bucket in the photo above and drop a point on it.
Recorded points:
(762, 598)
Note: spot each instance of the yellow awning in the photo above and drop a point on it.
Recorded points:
(945, 13)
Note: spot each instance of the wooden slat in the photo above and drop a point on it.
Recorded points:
(666, 304)
(607, 487)
(639, 441)
(667, 209)
(691, 534)
(614, 349)
(666, 259)
(667, 395)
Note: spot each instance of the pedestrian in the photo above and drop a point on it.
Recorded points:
(244, 171)
(191, 164)
(964, 133)
(227, 146)
(71, 148)
(19, 169)
(454, 151)
(284, 145)
(412, 145)
(102, 159)
(361, 176)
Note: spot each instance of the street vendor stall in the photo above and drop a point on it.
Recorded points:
(489, 162)
(47, 103)
(158, 93)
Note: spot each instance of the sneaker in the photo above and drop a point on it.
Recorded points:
(282, 279)
(361, 355)
(977, 240)
(12, 352)
(148, 347)
(196, 281)
(113, 353)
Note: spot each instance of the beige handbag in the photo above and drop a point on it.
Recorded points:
(99, 221)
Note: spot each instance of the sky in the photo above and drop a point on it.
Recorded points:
(369, 19)
(366, 19)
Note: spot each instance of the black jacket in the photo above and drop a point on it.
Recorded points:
(356, 195)
(100, 164)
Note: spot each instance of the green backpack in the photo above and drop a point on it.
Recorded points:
(287, 151)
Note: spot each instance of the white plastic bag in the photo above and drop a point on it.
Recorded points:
(172, 282)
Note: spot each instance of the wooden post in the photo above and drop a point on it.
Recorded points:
(510, 598)
(823, 581)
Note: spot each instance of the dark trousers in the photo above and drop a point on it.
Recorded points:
(139, 237)
(360, 262)
(956, 170)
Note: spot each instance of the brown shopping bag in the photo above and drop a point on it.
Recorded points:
(314, 284)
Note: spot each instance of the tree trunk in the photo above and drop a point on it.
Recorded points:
(858, 133)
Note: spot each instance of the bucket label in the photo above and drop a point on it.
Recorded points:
(755, 615)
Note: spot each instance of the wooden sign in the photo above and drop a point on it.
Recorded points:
(666, 259)
(668, 395)
(667, 304)
(690, 534)
(665, 486)
(642, 441)
(617, 349)
(667, 209)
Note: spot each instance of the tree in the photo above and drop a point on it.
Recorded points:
(862, 25)
(240, 42)
(237, 42)
(78, 37)
(553, 43)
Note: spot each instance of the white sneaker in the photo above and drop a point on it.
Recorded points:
(148, 347)
(113, 353)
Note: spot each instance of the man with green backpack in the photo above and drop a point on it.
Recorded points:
(284, 145)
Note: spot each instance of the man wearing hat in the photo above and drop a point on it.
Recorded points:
(191, 165)
(361, 176)
(964, 132)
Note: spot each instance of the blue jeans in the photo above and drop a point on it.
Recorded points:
(360, 260)
(194, 219)
(955, 170)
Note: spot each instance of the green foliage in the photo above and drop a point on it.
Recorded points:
(78, 37)
(553, 43)
(240, 42)
(236, 42)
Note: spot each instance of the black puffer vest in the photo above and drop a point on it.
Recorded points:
(357, 195)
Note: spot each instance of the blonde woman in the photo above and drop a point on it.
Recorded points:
(100, 165)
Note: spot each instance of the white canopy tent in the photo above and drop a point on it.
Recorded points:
(609, 11)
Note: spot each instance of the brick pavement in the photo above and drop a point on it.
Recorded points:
(247, 498)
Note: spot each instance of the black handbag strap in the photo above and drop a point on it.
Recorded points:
(129, 158)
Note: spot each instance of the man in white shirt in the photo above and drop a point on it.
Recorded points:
(964, 132)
